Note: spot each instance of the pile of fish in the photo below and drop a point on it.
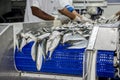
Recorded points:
(46, 41)
(103, 20)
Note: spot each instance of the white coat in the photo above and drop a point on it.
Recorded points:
(49, 6)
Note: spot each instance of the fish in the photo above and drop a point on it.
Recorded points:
(45, 30)
(65, 36)
(43, 45)
(23, 43)
(20, 41)
(48, 44)
(72, 37)
(39, 58)
(25, 37)
(79, 45)
(43, 36)
(52, 36)
(54, 44)
(31, 38)
(17, 43)
(34, 50)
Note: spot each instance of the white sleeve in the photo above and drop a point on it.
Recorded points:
(63, 3)
(35, 3)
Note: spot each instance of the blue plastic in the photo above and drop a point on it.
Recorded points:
(65, 61)
(105, 66)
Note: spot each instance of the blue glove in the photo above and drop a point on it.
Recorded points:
(69, 8)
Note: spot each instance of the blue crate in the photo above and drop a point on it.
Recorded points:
(65, 61)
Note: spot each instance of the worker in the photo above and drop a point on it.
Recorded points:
(115, 16)
(118, 14)
(40, 10)
(82, 17)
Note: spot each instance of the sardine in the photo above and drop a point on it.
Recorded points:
(23, 43)
(48, 44)
(26, 38)
(43, 36)
(29, 40)
(79, 45)
(53, 35)
(39, 59)
(54, 44)
(17, 44)
(65, 37)
(43, 45)
(18, 41)
(72, 37)
(34, 50)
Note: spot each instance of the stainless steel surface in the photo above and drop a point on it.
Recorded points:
(37, 26)
(93, 37)
(51, 76)
(6, 52)
(107, 39)
(2, 27)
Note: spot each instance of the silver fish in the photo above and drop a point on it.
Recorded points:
(17, 43)
(29, 40)
(23, 43)
(48, 44)
(54, 44)
(43, 45)
(34, 50)
(39, 57)
(53, 35)
(79, 45)
(43, 36)
(72, 37)
(65, 37)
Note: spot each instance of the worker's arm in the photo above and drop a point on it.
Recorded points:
(41, 14)
(75, 13)
(67, 13)
(118, 14)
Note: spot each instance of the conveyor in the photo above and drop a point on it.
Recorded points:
(98, 58)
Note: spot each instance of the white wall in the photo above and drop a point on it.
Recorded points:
(111, 9)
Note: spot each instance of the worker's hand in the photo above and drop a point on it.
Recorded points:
(77, 19)
(118, 13)
(85, 19)
(62, 19)
(112, 18)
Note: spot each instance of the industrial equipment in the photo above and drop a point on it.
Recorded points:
(100, 57)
